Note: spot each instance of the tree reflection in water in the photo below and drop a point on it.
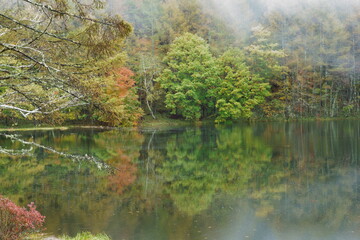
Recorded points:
(192, 182)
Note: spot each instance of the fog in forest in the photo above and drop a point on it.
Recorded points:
(244, 12)
(319, 38)
(306, 51)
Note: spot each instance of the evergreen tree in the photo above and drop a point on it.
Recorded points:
(56, 56)
(239, 90)
(263, 57)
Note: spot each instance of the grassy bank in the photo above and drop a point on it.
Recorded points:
(86, 236)
(79, 236)
(163, 121)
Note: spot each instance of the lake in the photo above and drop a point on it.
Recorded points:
(260, 181)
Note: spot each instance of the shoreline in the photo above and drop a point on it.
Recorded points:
(160, 123)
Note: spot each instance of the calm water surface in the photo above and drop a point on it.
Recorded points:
(262, 181)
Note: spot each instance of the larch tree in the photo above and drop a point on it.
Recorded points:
(239, 90)
(263, 57)
(54, 55)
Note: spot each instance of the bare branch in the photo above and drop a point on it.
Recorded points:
(25, 113)
(69, 14)
(38, 31)
(15, 49)
(13, 152)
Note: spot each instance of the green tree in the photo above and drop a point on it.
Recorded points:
(189, 78)
(240, 90)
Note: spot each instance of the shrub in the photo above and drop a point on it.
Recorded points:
(16, 221)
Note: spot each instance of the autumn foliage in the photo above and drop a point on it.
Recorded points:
(16, 221)
(125, 174)
(124, 80)
(116, 99)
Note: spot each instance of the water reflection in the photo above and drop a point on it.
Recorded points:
(246, 181)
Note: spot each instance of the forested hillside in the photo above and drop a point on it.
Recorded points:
(190, 59)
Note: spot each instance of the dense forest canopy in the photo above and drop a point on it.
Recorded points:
(193, 59)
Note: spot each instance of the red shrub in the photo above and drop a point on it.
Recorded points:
(16, 221)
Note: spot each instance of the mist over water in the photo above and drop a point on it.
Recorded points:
(259, 181)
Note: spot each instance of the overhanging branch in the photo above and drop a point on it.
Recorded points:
(38, 31)
(69, 14)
